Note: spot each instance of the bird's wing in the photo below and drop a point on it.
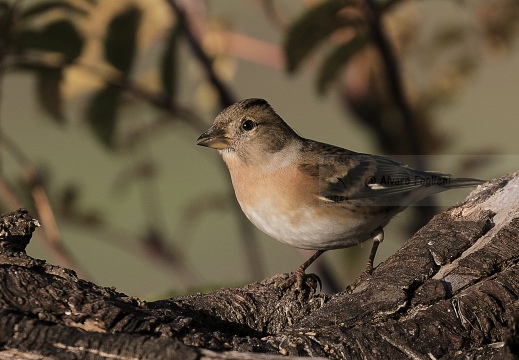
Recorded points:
(345, 175)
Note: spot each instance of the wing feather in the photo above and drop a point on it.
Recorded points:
(348, 176)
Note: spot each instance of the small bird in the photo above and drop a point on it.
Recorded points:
(309, 194)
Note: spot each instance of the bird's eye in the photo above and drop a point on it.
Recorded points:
(248, 125)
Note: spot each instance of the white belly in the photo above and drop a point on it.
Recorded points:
(302, 229)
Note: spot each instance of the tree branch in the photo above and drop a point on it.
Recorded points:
(451, 291)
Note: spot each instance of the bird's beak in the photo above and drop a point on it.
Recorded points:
(214, 138)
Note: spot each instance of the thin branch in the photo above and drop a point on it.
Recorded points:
(225, 94)
(51, 236)
(274, 14)
(226, 99)
(427, 210)
(395, 82)
(8, 196)
(158, 100)
(253, 257)
(154, 242)
(157, 255)
(256, 51)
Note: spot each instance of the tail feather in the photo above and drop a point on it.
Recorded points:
(464, 182)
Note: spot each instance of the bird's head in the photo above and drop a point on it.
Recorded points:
(251, 128)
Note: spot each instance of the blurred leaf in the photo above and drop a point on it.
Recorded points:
(5, 6)
(169, 62)
(70, 209)
(385, 5)
(60, 36)
(452, 35)
(336, 60)
(49, 92)
(130, 175)
(6, 17)
(41, 8)
(120, 42)
(102, 114)
(313, 27)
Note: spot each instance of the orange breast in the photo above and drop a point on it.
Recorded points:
(285, 188)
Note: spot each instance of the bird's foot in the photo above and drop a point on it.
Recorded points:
(299, 277)
(364, 276)
(299, 280)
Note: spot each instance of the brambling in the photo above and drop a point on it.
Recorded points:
(309, 194)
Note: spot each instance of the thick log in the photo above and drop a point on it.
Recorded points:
(450, 292)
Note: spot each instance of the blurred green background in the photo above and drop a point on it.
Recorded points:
(100, 115)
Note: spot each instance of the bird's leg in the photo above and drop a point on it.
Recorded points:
(300, 271)
(300, 275)
(378, 237)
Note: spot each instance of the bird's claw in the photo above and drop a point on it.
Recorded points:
(299, 278)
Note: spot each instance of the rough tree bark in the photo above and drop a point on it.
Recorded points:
(450, 292)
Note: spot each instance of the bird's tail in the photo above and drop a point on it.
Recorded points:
(463, 182)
